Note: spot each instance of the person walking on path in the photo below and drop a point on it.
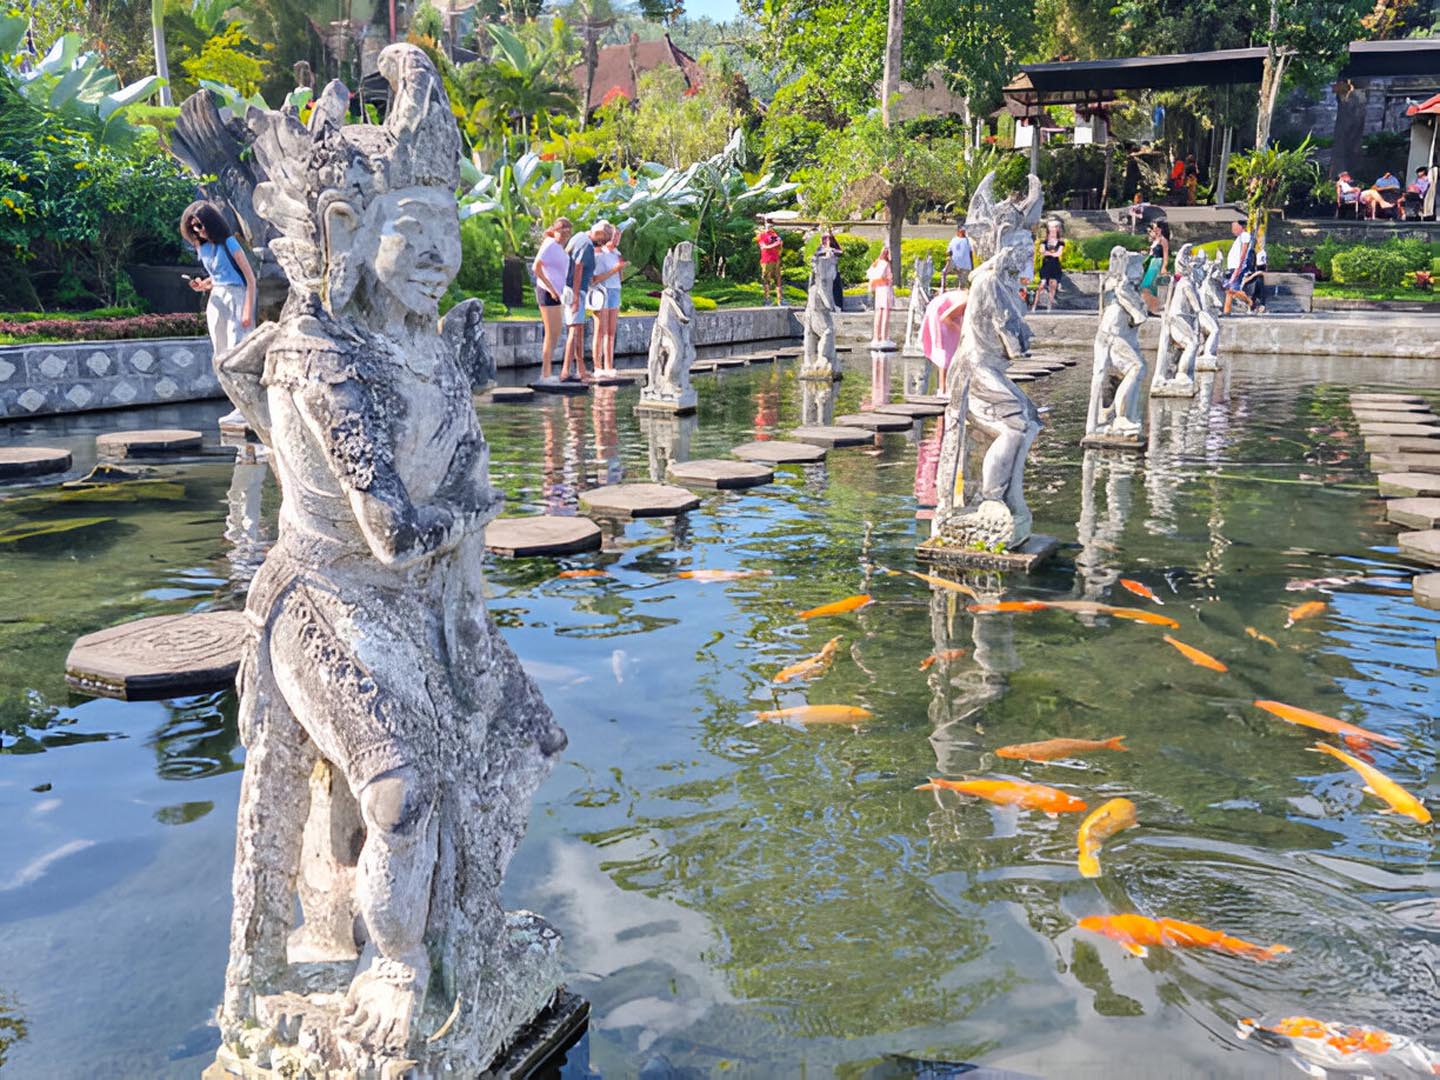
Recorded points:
(608, 265)
(581, 250)
(1051, 248)
(1239, 262)
(770, 248)
(550, 268)
(881, 278)
(1155, 265)
(229, 280)
(959, 257)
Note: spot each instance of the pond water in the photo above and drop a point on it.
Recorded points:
(764, 901)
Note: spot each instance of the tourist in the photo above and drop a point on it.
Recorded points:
(1239, 262)
(1347, 193)
(1419, 189)
(1254, 283)
(605, 299)
(881, 278)
(1192, 183)
(959, 257)
(832, 245)
(1051, 248)
(1156, 263)
(1177, 178)
(940, 328)
(229, 280)
(549, 269)
(1387, 182)
(771, 247)
(581, 250)
(1373, 203)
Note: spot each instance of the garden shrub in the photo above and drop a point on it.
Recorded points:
(1375, 266)
(1414, 252)
(186, 324)
(482, 252)
(855, 254)
(1096, 249)
(918, 248)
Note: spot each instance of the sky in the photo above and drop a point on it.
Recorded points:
(719, 10)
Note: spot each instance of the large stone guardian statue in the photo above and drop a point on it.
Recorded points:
(921, 293)
(1116, 417)
(1179, 335)
(393, 742)
(820, 360)
(672, 346)
(987, 512)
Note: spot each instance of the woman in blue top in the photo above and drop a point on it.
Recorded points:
(229, 280)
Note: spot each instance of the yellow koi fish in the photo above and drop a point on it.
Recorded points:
(1266, 638)
(839, 607)
(1051, 749)
(1304, 611)
(1194, 655)
(1101, 824)
(1380, 785)
(722, 575)
(816, 714)
(1320, 722)
(1137, 615)
(812, 667)
(945, 583)
(581, 574)
(946, 656)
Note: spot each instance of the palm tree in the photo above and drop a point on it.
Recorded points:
(517, 84)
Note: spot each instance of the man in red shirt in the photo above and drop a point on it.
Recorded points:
(770, 247)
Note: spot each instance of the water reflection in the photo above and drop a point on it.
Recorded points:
(565, 466)
(249, 535)
(962, 687)
(817, 402)
(603, 401)
(667, 440)
(198, 739)
(879, 392)
(1100, 535)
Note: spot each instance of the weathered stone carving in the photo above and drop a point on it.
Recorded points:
(1210, 282)
(393, 742)
(921, 293)
(1179, 336)
(990, 510)
(1117, 384)
(820, 360)
(672, 349)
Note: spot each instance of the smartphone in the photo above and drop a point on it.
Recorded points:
(186, 277)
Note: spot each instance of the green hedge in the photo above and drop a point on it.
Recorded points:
(1379, 267)
(1095, 250)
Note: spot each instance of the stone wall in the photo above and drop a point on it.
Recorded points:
(42, 380)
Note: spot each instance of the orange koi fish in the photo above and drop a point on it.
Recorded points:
(1011, 793)
(1008, 606)
(839, 607)
(816, 714)
(945, 583)
(1320, 722)
(1380, 785)
(1101, 824)
(947, 656)
(812, 667)
(1304, 611)
(1194, 655)
(1266, 638)
(582, 573)
(1138, 615)
(1140, 590)
(722, 575)
(1051, 749)
(1344, 1048)
(1136, 932)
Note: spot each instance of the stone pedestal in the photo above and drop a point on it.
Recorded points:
(1134, 443)
(685, 403)
(1029, 556)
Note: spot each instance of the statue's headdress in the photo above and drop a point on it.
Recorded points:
(332, 168)
(993, 223)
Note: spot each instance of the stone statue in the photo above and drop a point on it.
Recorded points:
(393, 742)
(1210, 282)
(672, 349)
(920, 296)
(821, 360)
(1117, 383)
(991, 513)
(1179, 337)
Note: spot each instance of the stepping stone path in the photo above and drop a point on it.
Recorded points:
(876, 421)
(21, 461)
(618, 378)
(1415, 463)
(1402, 444)
(1405, 399)
(1409, 485)
(780, 452)
(911, 408)
(542, 534)
(1021, 376)
(1056, 359)
(717, 473)
(159, 657)
(704, 367)
(1403, 407)
(1422, 513)
(928, 399)
(638, 500)
(1427, 590)
(156, 441)
(1371, 416)
(1421, 430)
(1423, 546)
(833, 435)
(555, 386)
(509, 395)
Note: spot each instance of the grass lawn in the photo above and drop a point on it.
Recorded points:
(1361, 292)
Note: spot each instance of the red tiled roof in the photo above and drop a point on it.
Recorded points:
(1430, 106)
(616, 71)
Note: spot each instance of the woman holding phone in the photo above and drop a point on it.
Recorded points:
(229, 280)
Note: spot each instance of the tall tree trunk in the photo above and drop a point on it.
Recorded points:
(1351, 103)
(897, 205)
(1270, 78)
(894, 31)
(157, 33)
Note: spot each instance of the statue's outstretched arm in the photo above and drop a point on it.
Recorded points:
(1128, 297)
(240, 372)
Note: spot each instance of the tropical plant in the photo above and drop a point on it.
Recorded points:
(1270, 177)
(516, 89)
(229, 58)
(511, 198)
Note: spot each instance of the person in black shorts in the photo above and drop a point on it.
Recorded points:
(1051, 248)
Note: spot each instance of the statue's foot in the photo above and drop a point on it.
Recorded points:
(380, 1007)
(1124, 427)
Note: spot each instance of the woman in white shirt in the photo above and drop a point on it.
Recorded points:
(605, 285)
(550, 268)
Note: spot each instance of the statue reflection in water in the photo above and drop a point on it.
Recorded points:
(967, 673)
(667, 440)
(249, 535)
(817, 403)
(1099, 534)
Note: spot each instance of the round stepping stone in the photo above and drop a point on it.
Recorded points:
(163, 656)
(1420, 430)
(910, 408)
(1427, 590)
(1419, 513)
(1409, 485)
(638, 500)
(555, 386)
(1406, 463)
(120, 444)
(21, 461)
(1423, 545)
(542, 534)
(833, 435)
(876, 421)
(718, 473)
(780, 452)
(509, 395)
(1370, 416)
(928, 399)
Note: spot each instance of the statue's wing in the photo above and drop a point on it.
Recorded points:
(463, 329)
(209, 145)
(981, 213)
(1033, 205)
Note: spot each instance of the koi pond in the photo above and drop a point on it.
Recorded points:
(763, 899)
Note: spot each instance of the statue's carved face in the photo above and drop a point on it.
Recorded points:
(1014, 254)
(414, 251)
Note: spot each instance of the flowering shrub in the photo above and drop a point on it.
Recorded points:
(140, 326)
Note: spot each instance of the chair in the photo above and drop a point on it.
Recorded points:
(1346, 196)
